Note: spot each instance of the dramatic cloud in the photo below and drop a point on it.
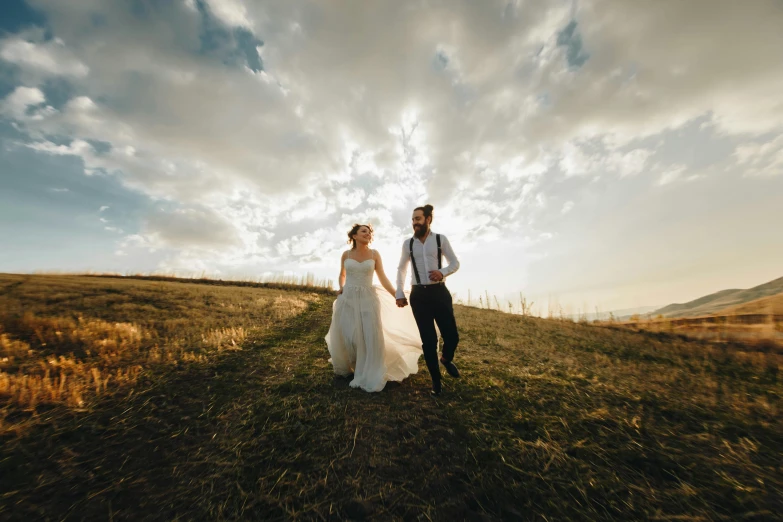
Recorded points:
(259, 131)
(190, 227)
(50, 58)
(17, 103)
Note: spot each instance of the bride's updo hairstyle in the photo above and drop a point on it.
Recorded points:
(354, 230)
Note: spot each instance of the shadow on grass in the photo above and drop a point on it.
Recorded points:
(268, 433)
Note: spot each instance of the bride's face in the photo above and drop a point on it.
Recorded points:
(363, 236)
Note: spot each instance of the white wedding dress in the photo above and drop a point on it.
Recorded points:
(369, 333)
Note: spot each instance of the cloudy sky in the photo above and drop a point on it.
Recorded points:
(598, 153)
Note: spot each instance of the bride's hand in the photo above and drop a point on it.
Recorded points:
(340, 291)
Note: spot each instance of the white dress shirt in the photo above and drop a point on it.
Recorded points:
(426, 257)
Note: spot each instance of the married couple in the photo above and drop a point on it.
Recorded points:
(378, 341)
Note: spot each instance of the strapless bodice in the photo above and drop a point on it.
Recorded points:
(359, 274)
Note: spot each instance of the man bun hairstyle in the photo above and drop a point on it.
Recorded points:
(427, 209)
(354, 230)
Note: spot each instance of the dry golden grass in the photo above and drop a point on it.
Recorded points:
(756, 332)
(766, 305)
(67, 339)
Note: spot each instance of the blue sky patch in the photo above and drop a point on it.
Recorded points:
(50, 215)
(440, 61)
(572, 41)
(18, 15)
(232, 46)
(58, 91)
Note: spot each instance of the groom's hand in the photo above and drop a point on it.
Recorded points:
(436, 275)
(402, 303)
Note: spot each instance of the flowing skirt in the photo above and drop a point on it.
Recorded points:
(372, 336)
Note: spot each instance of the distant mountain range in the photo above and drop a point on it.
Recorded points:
(619, 315)
(628, 312)
(764, 298)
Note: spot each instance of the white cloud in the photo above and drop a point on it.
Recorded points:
(17, 103)
(579, 160)
(349, 198)
(311, 246)
(230, 12)
(761, 158)
(472, 106)
(567, 206)
(629, 164)
(576, 162)
(652, 69)
(189, 228)
(313, 207)
(75, 148)
(671, 175)
(51, 58)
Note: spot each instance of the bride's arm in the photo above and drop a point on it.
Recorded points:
(341, 278)
(382, 275)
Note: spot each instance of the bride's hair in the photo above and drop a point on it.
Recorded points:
(427, 209)
(354, 230)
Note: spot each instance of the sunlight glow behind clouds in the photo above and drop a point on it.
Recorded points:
(498, 113)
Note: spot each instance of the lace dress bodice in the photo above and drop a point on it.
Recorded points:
(359, 274)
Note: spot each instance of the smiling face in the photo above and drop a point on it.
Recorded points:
(421, 225)
(363, 236)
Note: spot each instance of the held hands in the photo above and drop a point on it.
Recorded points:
(402, 303)
(436, 275)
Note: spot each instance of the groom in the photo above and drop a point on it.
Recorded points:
(430, 299)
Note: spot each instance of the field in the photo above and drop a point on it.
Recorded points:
(750, 331)
(144, 399)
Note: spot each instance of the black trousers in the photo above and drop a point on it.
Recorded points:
(433, 304)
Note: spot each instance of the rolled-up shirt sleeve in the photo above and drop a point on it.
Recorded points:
(402, 270)
(451, 257)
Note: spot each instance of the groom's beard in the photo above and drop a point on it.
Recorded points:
(420, 230)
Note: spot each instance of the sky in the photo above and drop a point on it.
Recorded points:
(590, 155)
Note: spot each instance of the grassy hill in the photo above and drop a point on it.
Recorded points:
(766, 305)
(129, 399)
(717, 302)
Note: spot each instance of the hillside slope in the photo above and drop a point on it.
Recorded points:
(766, 305)
(721, 300)
(551, 420)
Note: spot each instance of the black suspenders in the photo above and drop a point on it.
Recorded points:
(413, 261)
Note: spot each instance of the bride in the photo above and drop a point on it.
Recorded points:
(369, 335)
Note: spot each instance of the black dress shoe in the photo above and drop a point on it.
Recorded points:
(451, 368)
(435, 393)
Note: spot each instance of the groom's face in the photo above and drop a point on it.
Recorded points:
(420, 224)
